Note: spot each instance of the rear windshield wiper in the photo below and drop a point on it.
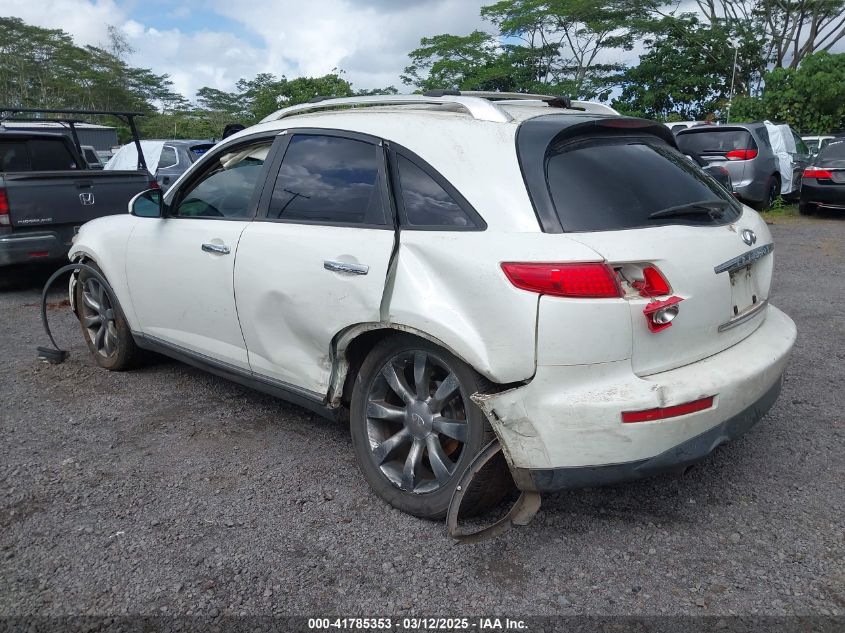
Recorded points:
(692, 208)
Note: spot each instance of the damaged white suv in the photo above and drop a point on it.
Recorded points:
(452, 269)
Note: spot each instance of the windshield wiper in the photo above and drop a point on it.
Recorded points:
(692, 208)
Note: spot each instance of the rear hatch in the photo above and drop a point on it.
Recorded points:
(730, 147)
(620, 187)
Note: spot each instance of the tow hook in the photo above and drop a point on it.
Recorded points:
(521, 512)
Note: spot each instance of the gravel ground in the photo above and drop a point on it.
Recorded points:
(168, 490)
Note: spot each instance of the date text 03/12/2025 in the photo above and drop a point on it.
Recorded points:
(417, 624)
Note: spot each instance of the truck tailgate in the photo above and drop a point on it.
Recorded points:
(70, 197)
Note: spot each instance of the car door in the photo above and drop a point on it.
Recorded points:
(180, 267)
(316, 259)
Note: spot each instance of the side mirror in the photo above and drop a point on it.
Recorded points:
(146, 204)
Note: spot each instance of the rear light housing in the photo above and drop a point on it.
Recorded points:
(653, 283)
(660, 314)
(741, 154)
(661, 413)
(589, 280)
(4, 208)
(818, 174)
(154, 184)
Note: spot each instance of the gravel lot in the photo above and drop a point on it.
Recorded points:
(167, 490)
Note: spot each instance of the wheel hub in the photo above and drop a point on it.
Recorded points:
(419, 420)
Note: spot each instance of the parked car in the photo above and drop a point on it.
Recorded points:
(817, 143)
(448, 270)
(176, 157)
(91, 157)
(47, 190)
(677, 126)
(759, 171)
(824, 180)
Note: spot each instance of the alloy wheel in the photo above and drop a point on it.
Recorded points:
(98, 317)
(416, 421)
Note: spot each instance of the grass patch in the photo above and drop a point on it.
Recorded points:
(780, 210)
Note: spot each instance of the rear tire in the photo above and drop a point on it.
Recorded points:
(103, 325)
(772, 192)
(415, 429)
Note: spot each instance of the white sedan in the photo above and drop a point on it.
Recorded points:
(451, 269)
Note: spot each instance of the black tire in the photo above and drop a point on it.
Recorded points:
(772, 192)
(430, 497)
(116, 350)
(806, 208)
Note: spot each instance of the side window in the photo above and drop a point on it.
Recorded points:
(426, 203)
(800, 145)
(226, 187)
(764, 136)
(168, 157)
(329, 179)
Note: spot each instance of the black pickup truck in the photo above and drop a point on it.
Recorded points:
(47, 191)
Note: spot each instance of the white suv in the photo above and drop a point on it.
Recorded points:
(450, 269)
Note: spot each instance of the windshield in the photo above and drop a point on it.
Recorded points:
(623, 183)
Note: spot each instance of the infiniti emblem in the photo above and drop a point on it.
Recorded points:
(86, 198)
(748, 236)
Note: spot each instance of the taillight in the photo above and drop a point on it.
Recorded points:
(820, 174)
(4, 208)
(660, 314)
(741, 154)
(588, 280)
(653, 283)
(154, 184)
(668, 412)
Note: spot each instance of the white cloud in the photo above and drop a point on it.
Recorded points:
(369, 39)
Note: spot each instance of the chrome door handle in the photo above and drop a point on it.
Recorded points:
(220, 249)
(343, 267)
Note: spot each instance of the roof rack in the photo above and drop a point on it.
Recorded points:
(560, 101)
(480, 109)
(15, 113)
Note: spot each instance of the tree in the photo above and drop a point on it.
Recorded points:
(811, 98)
(452, 61)
(686, 71)
(790, 30)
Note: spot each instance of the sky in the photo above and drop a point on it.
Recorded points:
(216, 42)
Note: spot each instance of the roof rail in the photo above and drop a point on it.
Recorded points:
(558, 101)
(479, 108)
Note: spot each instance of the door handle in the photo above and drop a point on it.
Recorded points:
(220, 249)
(343, 267)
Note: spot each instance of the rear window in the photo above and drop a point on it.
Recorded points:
(199, 150)
(599, 184)
(13, 156)
(714, 141)
(834, 151)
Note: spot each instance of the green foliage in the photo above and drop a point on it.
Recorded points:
(685, 73)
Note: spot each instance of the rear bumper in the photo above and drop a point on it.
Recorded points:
(569, 418)
(831, 196)
(19, 248)
(676, 458)
(751, 191)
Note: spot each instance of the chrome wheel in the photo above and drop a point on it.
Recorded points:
(98, 317)
(416, 421)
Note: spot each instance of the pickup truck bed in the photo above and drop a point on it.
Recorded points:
(41, 209)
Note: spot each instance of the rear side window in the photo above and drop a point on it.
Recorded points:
(329, 180)
(168, 157)
(425, 202)
(714, 142)
(13, 156)
(199, 150)
(599, 184)
(50, 155)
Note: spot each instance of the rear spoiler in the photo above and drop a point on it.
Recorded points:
(12, 113)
